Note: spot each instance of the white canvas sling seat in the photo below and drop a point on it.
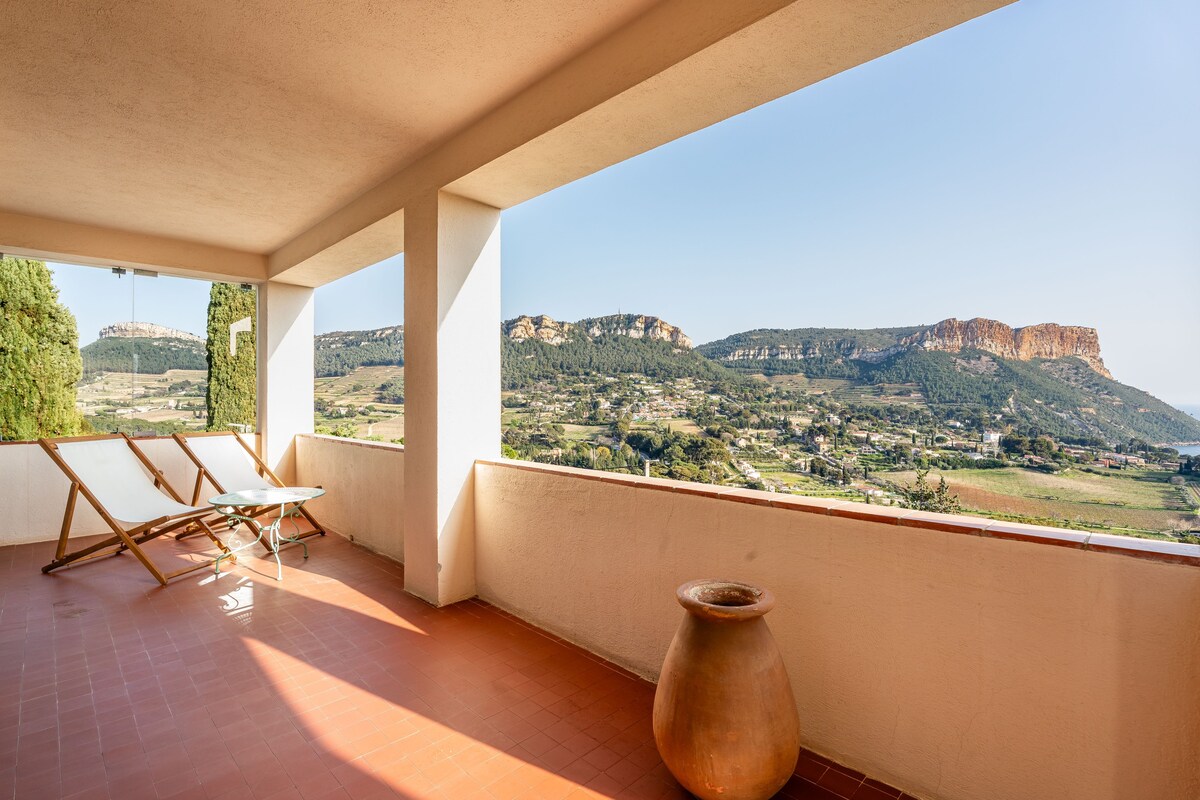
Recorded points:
(226, 462)
(132, 497)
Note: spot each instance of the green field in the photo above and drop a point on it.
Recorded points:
(804, 383)
(122, 393)
(583, 433)
(849, 391)
(1124, 501)
(357, 391)
(357, 387)
(681, 425)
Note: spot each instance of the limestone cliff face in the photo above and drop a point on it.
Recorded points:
(1046, 340)
(131, 330)
(540, 328)
(636, 326)
(816, 349)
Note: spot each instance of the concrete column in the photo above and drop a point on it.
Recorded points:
(285, 372)
(451, 386)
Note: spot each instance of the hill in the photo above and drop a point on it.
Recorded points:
(341, 352)
(147, 330)
(1048, 377)
(1047, 340)
(537, 348)
(540, 348)
(155, 355)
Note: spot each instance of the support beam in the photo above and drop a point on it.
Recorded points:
(73, 243)
(285, 372)
(452, 386)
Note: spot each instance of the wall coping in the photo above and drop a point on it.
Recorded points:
(1131, 546)
(352, 442)
(1152, 549)
(155, 438)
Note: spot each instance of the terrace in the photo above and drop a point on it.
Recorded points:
(510, 655)
(334, 683)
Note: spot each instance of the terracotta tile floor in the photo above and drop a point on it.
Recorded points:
(331, 684)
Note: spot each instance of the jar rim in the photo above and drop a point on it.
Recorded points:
(719, 599)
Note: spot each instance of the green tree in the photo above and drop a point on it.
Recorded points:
(391, 391)
(924, 497)
(39, 355)
(232, 378)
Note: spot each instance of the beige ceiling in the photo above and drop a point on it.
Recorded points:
(268, 115)
(282, 139)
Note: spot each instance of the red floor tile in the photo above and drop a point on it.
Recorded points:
(333, 683)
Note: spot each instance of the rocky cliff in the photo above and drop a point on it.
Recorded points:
(837, 348)
(1046, 340)
(145, 330)
(540, 328)
(635, 326)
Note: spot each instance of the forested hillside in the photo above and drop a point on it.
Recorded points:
(809, 341)
(1061, 397)
(154, 355)
(525, 362)
(342, 352)
(1046, 378)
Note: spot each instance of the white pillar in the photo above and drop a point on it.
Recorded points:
(285, 372)
(451, 386)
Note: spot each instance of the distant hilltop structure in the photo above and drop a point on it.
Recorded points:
(145, 330)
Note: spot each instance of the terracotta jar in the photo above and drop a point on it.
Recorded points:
(724, 715)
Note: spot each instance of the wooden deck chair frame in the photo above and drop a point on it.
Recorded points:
(264, 471)
(125, 538)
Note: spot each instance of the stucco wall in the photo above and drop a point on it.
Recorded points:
(952, 665)
(33, 490)
(364, 484)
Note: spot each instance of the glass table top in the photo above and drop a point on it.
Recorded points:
(266, 497)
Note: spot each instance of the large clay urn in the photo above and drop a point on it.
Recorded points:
(724, 715)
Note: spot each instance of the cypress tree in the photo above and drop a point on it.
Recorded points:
(39, 355)
(232, 379)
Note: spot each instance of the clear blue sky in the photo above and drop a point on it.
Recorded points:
(1039, 164)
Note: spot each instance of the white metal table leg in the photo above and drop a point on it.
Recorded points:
(275, 542)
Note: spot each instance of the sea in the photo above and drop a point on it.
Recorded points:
(1189, 449)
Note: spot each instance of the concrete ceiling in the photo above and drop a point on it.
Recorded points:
(283, 138)
(267, 116)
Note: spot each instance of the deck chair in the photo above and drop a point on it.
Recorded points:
(111, 473)
(225, 460)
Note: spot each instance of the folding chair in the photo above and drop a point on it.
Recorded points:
(110, 472)
(231, 466)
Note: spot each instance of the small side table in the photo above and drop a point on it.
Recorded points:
(246, 506)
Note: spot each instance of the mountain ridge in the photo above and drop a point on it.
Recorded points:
(1044, 377)
(155, 354)
(548, 330)
(146, 330)
(1047, 377)
(1047, 340)
(341, 352)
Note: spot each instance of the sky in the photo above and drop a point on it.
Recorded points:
(1038, 164)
